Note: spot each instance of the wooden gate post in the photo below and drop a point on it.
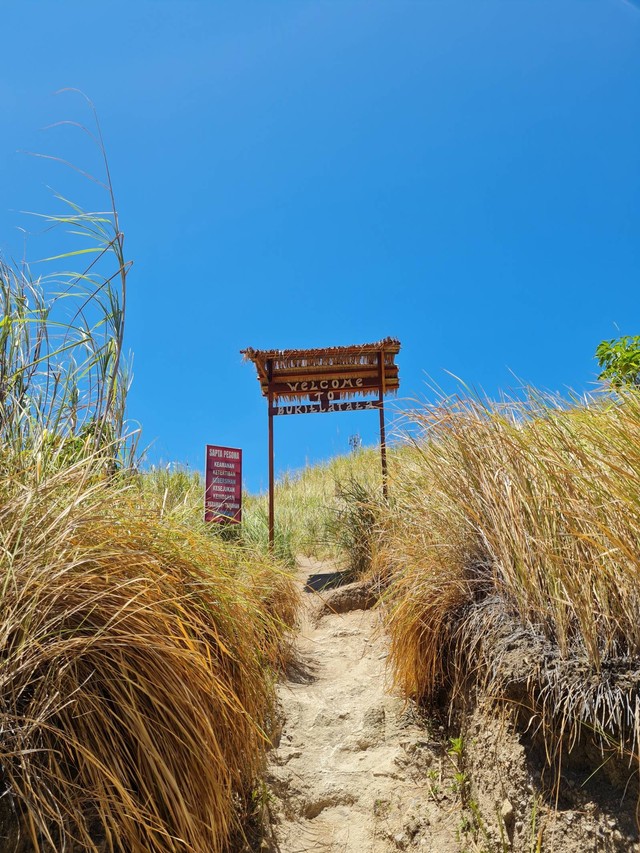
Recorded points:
(383, 436)
(271, 460)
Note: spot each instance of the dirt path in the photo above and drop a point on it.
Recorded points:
(352, 770)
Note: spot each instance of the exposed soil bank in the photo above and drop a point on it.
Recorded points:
(357, 769)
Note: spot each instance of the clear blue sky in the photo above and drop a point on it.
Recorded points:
(464, 176)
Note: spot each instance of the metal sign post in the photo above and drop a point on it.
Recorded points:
(301, 382)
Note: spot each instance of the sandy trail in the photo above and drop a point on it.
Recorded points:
(352, 771)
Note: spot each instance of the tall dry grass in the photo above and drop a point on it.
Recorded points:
(137, 653)
(514, 526)
(134, 683)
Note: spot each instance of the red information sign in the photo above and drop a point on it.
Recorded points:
(223, 484)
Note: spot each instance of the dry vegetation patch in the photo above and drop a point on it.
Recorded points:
(135, 681)
(138, 653)
(511, 554)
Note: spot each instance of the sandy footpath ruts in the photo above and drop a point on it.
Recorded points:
(351, 765)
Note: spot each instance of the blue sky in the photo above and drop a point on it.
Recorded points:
(464, 176)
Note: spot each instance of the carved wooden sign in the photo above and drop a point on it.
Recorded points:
(337, 373)
(310, 409)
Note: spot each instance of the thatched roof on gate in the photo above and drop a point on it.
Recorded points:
(344, 365)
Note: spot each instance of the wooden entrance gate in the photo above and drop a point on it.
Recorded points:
(338, 379)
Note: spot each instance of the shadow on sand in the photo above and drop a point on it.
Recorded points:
(327, 580)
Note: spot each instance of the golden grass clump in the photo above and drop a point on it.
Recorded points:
(135, 661)
(521, 523)
(307, 502)
(137, 650)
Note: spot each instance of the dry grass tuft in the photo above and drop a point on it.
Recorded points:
(134, 670)
(535, 506)
(137, 651)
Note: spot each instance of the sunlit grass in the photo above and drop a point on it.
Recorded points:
(135, 668)
(520, 517)
(308, 504)
(138, 653)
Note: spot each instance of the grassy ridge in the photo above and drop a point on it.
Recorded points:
(309, 504)
(519, 525)
(510, 556)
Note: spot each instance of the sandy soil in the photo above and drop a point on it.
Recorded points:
(350, 772)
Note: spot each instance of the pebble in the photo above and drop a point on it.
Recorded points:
(507, 813)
